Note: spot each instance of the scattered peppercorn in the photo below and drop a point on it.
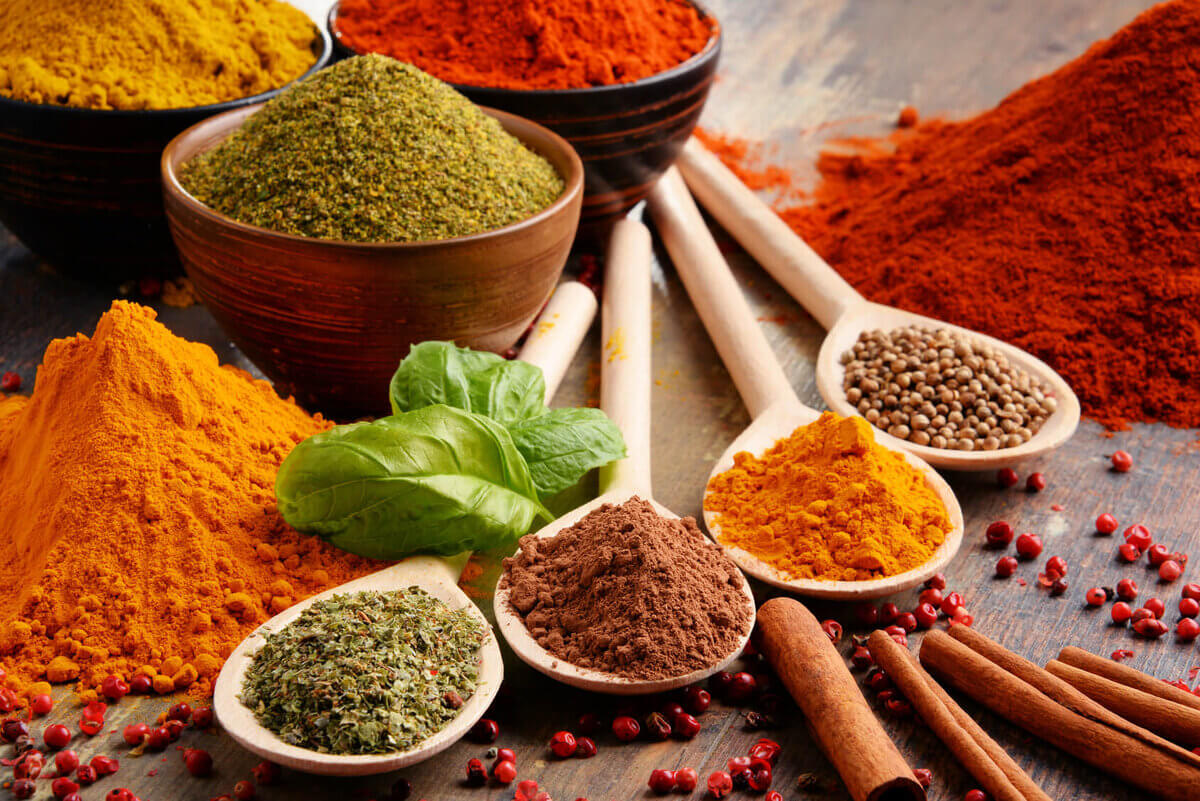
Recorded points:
(66, 761)
(686, 780)
(661, 781)
(999, 534)
(476, 774)
(485, 731)
(1139, 536)
(1095, 597)
(268, 773)
(504, 772)
(1187, 629)
(626, 729)
(243, 791)
(1029, 546)
(1189, 607)
(136, 733)
(1150, 627)
(1156, 607)
(114, 688)
(1006, 566)
(1007, 477)
(1122, 462)
(1106, 524)
(41, 704)
(22, 788)
(1059, 586)
(924, 777)
(1170, 570)
(197, 761)
(1036, 482)
(685, 726)
(720, 784)
(10, 381)
(833, 630)
(562, 744)
(696, 700)
(56, 736)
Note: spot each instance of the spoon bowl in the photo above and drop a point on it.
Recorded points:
(845, 314)
(625, 397)
(439, 578)
(777, 422)
(513, 629)
(766, 391)
(830, 373)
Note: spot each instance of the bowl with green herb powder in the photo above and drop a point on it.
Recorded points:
(365, 209)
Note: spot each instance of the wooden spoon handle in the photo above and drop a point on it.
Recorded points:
(717, 297)
(814, 284)
(625, 358)
(558, 332)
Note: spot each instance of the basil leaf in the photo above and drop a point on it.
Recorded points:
(474, 381)
(561, 445)
(436, 480)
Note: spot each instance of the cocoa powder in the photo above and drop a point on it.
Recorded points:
(629, 592)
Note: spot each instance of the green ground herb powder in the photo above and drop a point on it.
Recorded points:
(373, 150)
(365, 673)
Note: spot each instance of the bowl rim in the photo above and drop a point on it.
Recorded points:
(572, 189)
(711, 48)
(324, 55)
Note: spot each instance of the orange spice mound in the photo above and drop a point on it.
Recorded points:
(528, 44)
(828, 502)
(138, 531)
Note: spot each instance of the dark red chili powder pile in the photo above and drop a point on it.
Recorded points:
(1066, 220)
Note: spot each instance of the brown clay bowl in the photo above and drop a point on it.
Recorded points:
(627, 134)
(329, 321)
(82, 187)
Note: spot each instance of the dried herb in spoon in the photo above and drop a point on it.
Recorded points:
(365, 673)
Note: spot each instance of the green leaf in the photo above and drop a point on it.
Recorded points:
(563, 444)
(474, 381)
(436, 480)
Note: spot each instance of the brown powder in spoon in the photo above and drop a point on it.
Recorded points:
(629, 592)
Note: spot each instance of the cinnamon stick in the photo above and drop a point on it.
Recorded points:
(974, 750)
(1124, 674)
(1097, 743)
(841, 721)
(1064, 693)
(1173, 721)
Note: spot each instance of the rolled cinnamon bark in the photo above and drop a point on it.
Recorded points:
(840, 719)
(964, 743)
(1064, 693)
(1124, 674)
(1097, 743)
(1178, 723)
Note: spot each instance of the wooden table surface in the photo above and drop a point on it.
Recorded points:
(795, 72)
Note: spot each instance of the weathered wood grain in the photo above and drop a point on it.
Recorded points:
(795, 73)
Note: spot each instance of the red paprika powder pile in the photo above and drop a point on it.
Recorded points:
(1066, 220)
(528, 44)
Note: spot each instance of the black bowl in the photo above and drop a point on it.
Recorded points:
(82, 187)
(627, 134)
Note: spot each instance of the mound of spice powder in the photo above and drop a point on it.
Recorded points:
(150, 54)
(138, 531)
(373, 150)
(366, 673)
(829, 503)
(629, 592)
(1062, 221)
(528, 44)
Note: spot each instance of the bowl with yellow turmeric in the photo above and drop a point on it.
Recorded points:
(82, 128)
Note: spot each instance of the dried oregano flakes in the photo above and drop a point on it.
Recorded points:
(366, 673)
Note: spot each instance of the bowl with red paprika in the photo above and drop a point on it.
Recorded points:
(624, 82)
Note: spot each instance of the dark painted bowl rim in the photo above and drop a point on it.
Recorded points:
(573, 188)
(323, 57)
(711, 48)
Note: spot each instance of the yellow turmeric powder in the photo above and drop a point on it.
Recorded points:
(138, 532)
(150, 54)
(828, 503)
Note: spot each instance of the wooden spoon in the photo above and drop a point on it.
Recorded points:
(845, 314)
(625, 397)
(765, 389)
(556, 337)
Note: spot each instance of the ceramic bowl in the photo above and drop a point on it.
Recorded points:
(329, 321)
(627, 134)
(82, 188)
